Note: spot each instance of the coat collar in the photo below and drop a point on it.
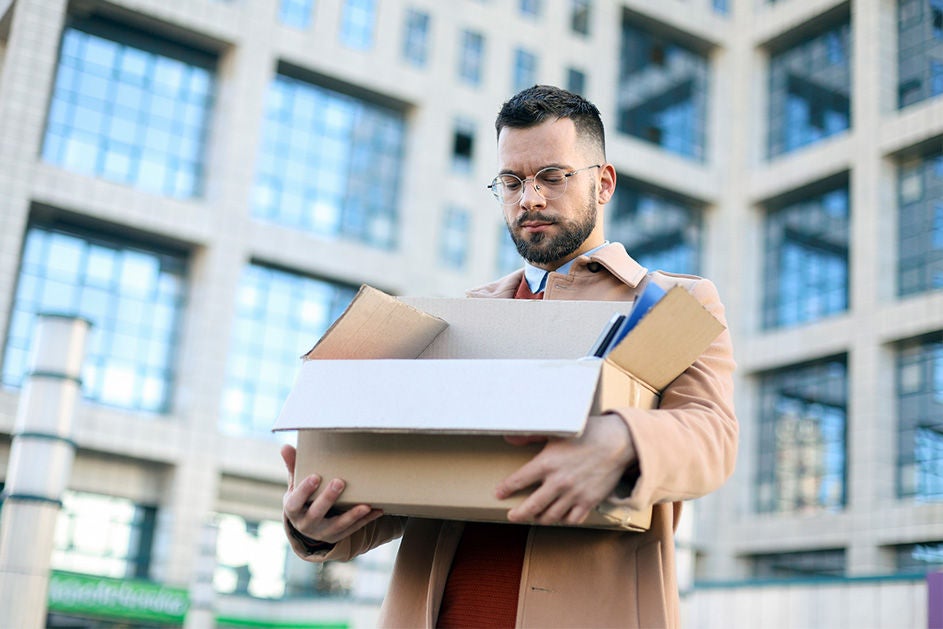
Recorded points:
(612, 257)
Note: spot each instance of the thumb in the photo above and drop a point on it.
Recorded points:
(288, 456)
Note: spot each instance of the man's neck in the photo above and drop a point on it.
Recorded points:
(536, 276)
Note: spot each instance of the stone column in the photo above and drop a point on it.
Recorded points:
(39, 468)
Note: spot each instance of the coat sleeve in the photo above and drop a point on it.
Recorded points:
(687, 447)
(375, 534)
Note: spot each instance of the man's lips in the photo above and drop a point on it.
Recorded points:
(535, 225)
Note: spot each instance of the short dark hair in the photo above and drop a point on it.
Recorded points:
(540, 103)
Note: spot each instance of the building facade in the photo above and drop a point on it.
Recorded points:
(209, 181)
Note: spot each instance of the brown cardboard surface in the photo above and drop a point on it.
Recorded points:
(375, 325)
(453, 476)
(667, 340)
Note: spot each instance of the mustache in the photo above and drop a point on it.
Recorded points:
(528, 217)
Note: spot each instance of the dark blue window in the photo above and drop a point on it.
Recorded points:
(662, 95)
(920, 225)
(920, 418)
(660, 230)
(806, 267)
(810, 85)
(802, 432)
(919, 50)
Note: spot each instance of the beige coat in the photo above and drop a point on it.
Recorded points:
(581, 577)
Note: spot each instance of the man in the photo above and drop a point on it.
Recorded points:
(553, 185)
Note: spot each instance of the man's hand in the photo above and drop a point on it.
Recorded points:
(310, 517)
(571, 476)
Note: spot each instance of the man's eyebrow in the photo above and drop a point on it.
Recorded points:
(510, 171)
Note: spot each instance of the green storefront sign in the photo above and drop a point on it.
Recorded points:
(102, 597)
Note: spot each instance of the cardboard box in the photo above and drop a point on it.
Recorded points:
(425, 437)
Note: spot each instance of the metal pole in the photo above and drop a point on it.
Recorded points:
(40, 465)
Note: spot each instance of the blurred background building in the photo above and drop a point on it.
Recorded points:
(209, 181)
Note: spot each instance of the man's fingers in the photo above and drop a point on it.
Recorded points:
(298, 499)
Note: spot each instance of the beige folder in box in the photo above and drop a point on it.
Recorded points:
(424, 437)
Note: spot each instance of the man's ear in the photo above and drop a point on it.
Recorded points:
(607, 184)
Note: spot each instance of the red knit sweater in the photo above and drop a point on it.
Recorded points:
(485, 579)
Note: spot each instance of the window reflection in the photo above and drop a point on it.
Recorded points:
(103, 535)
(806, 266)
(416, 37)
(919, 410)
(329, 163)
(920, 225)
(658, 230)
(919, 50)
(800, 565)
(471, 57)
(810, 86)
(130, 108)
(296, 13)
(454, 238)
(801, 463)
(279, 316)
(357, 23)
(662, 91)
(508, 257)
(132, 295)
(525, 69)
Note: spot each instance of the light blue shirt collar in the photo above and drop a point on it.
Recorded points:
(537, 277)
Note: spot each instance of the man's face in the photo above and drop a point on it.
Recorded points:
(550, 233)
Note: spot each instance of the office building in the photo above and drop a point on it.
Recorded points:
(209, 181)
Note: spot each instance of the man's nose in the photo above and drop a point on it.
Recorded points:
(530, 197)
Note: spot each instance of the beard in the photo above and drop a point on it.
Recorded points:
(543, 248)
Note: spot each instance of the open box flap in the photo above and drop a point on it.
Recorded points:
(442, 396)
(667, 340)
(515, 328)
(376, 325)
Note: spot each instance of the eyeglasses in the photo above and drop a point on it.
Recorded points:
(550, 183)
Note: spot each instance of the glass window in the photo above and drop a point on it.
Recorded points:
(471, 57)
(463, 146)
(920, 418)
(919, 558)
(133, 296)
(296, 13)
(453, 250)
(329, 163)
(576, 81)
(530, 8)
(279, 316)
(800, 565)
(810, 86)
(357, 23)
(250, 557)
(659, 230)
(525, 69)
(416, 38)
(508, 257)
(662, 92)
(920, 226)
(130, 108)
(806, 266)
(104, 535)
(580, 16)
(802, 431)
(919, 50)
(721, 6)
